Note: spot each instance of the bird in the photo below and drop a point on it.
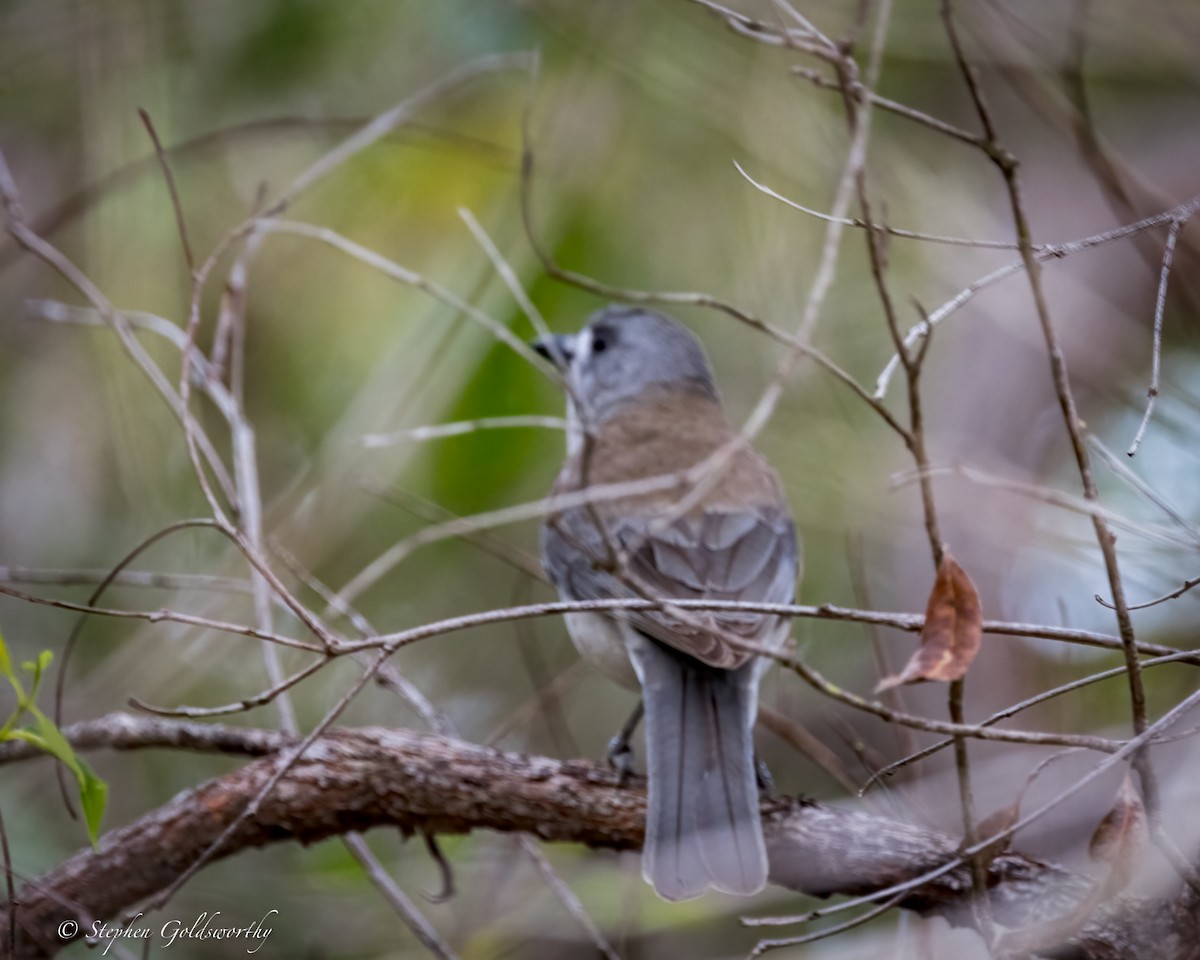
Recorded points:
(642, 403)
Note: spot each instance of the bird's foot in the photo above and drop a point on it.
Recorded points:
(620, 753)
(766, 782)
(621, 758)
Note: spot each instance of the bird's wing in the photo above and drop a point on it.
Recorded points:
(748, 554)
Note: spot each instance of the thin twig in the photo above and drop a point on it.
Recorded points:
(398, 115)
(1187, 585)
(397, 899)
(913, 883)
(172, 189)
(113, 318)
(150, 579)
(506, 272)
(798, 738)
(862, 596)
(1122, 469)
(878, 227)
(827, 265)
(1066, 501)
(763, 32)
(1043, 253)
(493, 546)
(690, 298)
(1160, 304)
(891, 106)
(395, 641)
(410, 278)
(389, 675)
(765, 946)
(294, 754)
(1007, 165)
(169, 616)
(1011, 711)
(442, 430)
(249, 491)
(568, 898)
(278, 689)
(9, 888)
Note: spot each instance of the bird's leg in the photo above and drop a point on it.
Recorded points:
(620, 753)
(766, 782)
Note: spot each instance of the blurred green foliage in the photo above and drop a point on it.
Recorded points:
(636, 116)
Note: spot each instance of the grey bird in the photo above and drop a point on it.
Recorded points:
(642, 403)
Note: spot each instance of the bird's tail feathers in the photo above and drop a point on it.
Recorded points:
(702, 820)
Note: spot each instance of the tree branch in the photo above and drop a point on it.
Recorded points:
(352, 780)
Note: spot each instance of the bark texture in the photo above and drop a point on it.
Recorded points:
(352, 780)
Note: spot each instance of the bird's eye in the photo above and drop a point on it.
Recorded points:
(603, 337)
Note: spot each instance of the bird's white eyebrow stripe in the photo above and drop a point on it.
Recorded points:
(583, 344)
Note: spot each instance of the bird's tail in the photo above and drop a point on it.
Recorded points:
(702, 819)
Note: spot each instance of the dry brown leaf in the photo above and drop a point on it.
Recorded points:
(1120, 839)
(952, 631)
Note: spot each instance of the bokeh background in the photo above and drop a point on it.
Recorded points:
(635, 118)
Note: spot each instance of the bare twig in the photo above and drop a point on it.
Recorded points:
(568, 899)
(1122, 469)
(277, 690)
(9, 888)
(172, 189)
(878, 227)
(507, 273)
(891, 106)
(53, 258)
(169, 616)
(914, 756)
(389, 120)
(1187, 585)
(389, 676)
(862, 596)
(799, 738)
(766, 946)
(1089, 508)
(1130, 746)
(150, 579)
(502, 550)
(441, 430)
(1042, 253)
(1160, 303)
(1007, 165)
(804, 40)
(397, 899)
(410, 278)
(827, 265)
(691, 298)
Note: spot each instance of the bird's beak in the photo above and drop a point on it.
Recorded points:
(557, 348)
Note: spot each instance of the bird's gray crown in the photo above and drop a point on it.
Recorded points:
(625, 351)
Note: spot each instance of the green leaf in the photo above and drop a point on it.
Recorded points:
(93, 797)
(29, 737)
(93, 791)
(7, 671)
(38, 669)
(5, 662)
